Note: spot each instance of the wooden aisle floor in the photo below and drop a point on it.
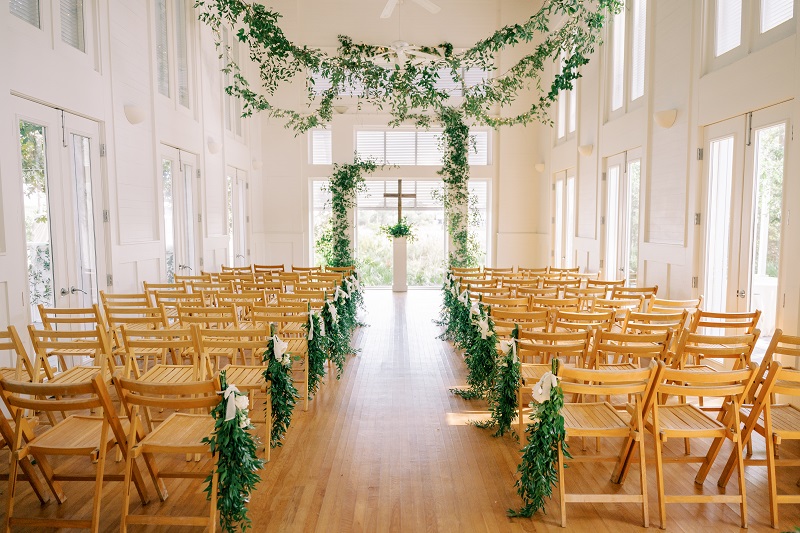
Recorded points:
(389, 448)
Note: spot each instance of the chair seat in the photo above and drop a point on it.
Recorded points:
(785, 421)
(179, 433)
(593, 419)
(531, 372)
(618, 366)
(245, 377)
(11, 373)
(75, 435)
(688, 419)
(78, 374)
(170, 374)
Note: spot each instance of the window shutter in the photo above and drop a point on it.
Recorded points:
(321, 152)
(162, 47)
(728, 26)
(72, 24)
(400, 147)
(775, 12)
(428, 150)
(475, 76)
(638, 44)
(181, 53)
(447, 83)
(370, 146)
(321, 196)
(27, 10)
(371, 195)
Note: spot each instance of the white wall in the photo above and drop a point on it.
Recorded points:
(119, 70)
(678, 78)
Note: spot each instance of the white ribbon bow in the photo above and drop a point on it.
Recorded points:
(475, 309)
(483, 326)
(541, 391)
(321, 326)
(279, 347)
(334, 313)
(509, 345)
(229, 395)
(463, 297)
(356, 283)
(310, 326)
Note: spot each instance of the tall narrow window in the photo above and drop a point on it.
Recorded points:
(720, 182)
(169, 223)
(321, 147)
(618, 61)
(775, 13)
(728, 30)
(226, 80)
(558, 250)
(569, 222)
(561, 122)
(162, 47)
(612, 223)
(181, 53)
(573, 104)
(27, 10)
(72, 24)
(638, 45)
(634, 175)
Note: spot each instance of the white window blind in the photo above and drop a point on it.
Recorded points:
(181, 53)
(728, 26)
(475, 76)
(775, 12)
(573, 107)
(479, 148)
(226, 81)
(638, 45)
(321, 153)
(409, 147)
(618, 60)
(72, 24)
(321, 194)
(27, 10)
(447, 83)
(162, 47)
(561, 121)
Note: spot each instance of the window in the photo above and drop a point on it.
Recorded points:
(232, 106)
(321, 153)
(173, 51)
(411, 147)
(564, 219)
(72, 24)
(469, 77)
(27, 10)
(566, 104)
(628, 53)
(741, 26)
(622, 218)
(320, 216)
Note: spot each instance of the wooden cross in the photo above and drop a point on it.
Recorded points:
(399, 197)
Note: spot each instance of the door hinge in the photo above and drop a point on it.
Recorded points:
(603, 176)
(601, 263)
(553, 186)
(699, 154)
(602, 220)
(697, 219)
(246, 186)
(552, 220)
(247, 219)
(106, 215)
(198, 173)
(200, 219)
(102, 150)
(694, 282)
(109, 280)
(201, 262)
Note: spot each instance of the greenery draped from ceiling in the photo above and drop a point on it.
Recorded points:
(409, 91)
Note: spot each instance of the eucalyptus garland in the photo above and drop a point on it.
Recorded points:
(409, 90)
(538, 470)
(284, 395)
(503, 392)
(338, 341)
(237, 464)
(317, 351)
(481, 353)
(346, 182)
(449, 302)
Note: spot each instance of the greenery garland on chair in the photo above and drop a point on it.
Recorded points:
(237, 464)
(481, 353)
(283, 394)
(346, 182)
(538, 469)
(338, 343)
(317, 351)
(503, 392)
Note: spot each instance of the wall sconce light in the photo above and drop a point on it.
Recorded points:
(341, 109)
(257, 164)
(134, 113)
(586, 149)
(539, 167)
(665, 118)
(213, 146)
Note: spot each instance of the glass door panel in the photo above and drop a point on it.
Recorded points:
(87, 281)
(181, 202)
(631, 255)
(613, 175)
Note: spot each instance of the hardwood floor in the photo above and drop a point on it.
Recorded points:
(389, 448)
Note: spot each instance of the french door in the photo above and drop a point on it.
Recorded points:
(180, 190)
(564, 218)
(744, 163)
(623, 183)
(62, 206)
(237, 216)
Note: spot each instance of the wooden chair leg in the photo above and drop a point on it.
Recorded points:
(662, 509)
(49, 474)
(212, 526)
(268, 423)
(643, 481)
(126, 491)
(773, 483)
(98, 482)
(12, 488)
(742, 484)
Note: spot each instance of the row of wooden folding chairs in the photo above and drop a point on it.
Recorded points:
(517, 270)
(659, 407)
(94, 436)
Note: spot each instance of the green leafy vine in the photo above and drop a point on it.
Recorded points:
(283, 393)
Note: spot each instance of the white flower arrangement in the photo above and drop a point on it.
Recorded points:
(279, 348)
(237, 406)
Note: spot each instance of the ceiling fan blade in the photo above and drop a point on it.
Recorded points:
(430, 6)
(389, 9)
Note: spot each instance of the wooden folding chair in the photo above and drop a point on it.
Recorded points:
(562, 284)
(71, 319)
(652, 322)
(628, 351)
(661, 305)
(236, 270)
(586, 295)
(684, 420)
(268, 268)
(134, 318)
(314, 298)
(563, 271)
(171, 299)
(692, 348)
(532, 271)
(90, 343)
(509, 303)
(568, 304)
(724, 323)
(345, 270)
(645, 294)
(601, 419)
(247, 377)
(151, 288)
(506, 319)
(564, 320)
(476, 293)
(76, 435)
(189, 279)
(136, 299)
(608, 285)
(23, 368)
(459, 271)
(497, 271)
(180, 434)
(536, 292)
(564, 345)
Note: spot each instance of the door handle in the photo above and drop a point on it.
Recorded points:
(741, 293)
(184, 267)
(73, 290)
(64, 291)
(239, 255)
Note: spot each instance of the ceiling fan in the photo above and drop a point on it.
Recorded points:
(426, 4)
(401, 52)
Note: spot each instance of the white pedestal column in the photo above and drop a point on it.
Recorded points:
(399, 266)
